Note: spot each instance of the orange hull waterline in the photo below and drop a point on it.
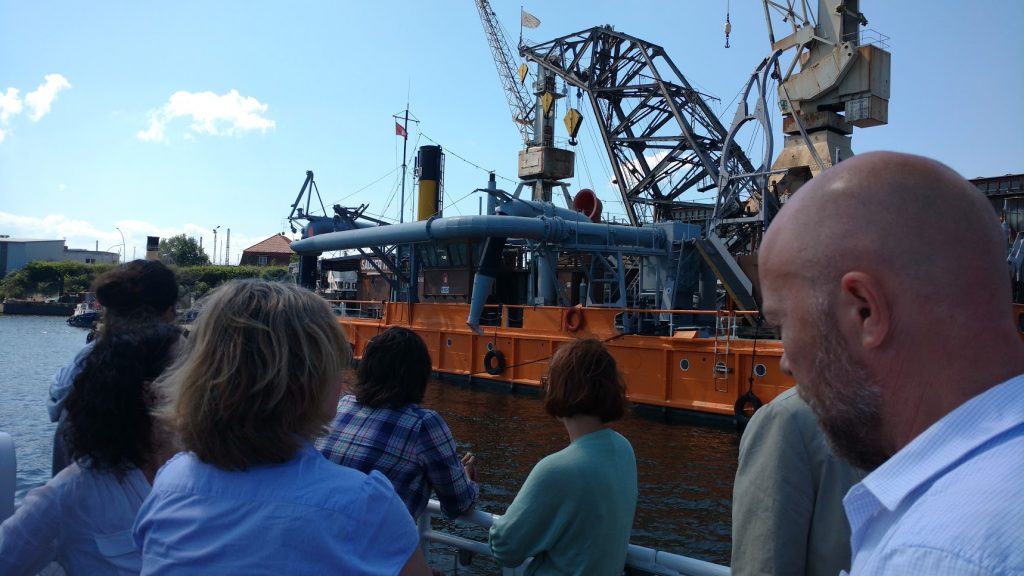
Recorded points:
(684, 371)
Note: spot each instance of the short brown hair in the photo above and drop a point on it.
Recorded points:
(261, 365)
(583, 378)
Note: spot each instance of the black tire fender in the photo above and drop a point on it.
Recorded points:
(740, 408)
(494, 362)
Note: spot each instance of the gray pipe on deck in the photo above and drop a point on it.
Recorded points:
(541, 228)
(578, 230)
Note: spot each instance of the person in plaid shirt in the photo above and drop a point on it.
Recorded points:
(380, 426)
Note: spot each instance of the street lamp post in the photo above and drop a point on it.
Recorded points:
(122, 243)
(215, 245)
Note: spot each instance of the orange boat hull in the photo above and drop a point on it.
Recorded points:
(676, 372)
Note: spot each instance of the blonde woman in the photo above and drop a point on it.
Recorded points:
(574, 513)
(261, 379)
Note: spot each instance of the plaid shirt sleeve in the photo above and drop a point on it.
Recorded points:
(456, 492)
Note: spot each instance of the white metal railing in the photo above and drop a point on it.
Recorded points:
(637, 557)
(8, 473)
(357, 309)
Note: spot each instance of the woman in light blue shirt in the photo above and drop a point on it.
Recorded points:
(260, 379)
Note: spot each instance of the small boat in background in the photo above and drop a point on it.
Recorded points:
(87, 312)
(84, 320)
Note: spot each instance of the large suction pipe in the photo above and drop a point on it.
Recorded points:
(496, 229)
(542, 228)
(484, 280)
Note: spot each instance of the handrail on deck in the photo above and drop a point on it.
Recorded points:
(377, 302)
(532, 306)
(637, 557)
(639, 310)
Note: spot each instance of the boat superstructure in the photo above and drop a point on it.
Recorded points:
(672, 291)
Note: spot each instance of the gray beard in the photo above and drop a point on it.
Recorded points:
(847, 401)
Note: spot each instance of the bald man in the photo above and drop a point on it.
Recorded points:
(887, 276)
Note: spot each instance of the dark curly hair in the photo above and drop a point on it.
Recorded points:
(394, 370)
(109, 426)
(138, 288)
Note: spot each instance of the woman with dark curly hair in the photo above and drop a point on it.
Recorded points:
(138, 291)
(84, 515)
(380, 426)
(574, 513)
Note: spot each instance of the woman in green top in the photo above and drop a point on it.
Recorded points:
(574, 513)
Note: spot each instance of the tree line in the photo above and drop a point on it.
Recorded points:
(53, 279)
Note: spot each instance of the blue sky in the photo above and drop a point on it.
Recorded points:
(158, 118)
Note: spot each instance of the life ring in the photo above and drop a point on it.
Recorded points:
(740, 408)
(574, 318)
(494, 362)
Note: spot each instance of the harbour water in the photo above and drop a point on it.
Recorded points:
(685, 472)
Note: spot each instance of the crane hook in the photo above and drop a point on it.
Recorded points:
(728, 25)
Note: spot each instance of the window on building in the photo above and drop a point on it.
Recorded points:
(90, 260)
(261, 261)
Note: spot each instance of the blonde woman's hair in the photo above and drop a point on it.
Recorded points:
(261, 364)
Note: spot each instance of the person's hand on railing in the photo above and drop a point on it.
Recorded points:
(469, 463)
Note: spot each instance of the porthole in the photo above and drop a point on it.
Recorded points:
(760, 370)
(684, 364)
(449, 342)
(490, 346)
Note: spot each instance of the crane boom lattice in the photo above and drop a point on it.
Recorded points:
(661, 136)
(519, 100)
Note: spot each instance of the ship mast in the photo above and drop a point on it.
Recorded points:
(404, 133)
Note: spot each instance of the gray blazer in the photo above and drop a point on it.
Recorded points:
(787, 507)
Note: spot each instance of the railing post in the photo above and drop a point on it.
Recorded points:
(423, 526)
(8, 474)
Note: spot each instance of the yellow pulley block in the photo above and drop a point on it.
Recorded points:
(523, 69)
(573, 119)
(546, 100)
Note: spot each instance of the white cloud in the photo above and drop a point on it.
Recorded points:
(38, 101)
(10, 104)
(42, 97)
(652, 161)
(217, 115)
(155, 132)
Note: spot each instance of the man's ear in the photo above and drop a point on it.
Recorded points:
(863, 310)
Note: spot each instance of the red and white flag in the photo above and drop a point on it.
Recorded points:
(399, 131)
(529, 20)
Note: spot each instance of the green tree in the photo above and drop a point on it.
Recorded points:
(182, 251)
(39, 278)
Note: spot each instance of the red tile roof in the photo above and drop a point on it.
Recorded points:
(276, 244)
